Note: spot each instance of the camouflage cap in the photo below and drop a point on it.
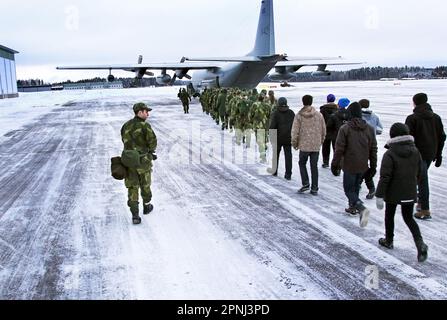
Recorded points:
(140, 106)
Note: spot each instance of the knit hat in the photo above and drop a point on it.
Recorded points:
(356, 110)
(420, 98)
(364, 103)
(331, 98)
(282, 102)
(399, 129)
(343, 103)
(308, 100)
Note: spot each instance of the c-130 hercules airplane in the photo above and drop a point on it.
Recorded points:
(241, 72)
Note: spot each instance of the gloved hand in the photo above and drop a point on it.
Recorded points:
(336, 171)
(372, 172)
(380, 203)
(438, 162)
(154, 156)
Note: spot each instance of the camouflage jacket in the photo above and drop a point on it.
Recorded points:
(137, 134)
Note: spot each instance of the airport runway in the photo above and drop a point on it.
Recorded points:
(220, 230)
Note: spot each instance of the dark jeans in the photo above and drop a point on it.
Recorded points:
(288, 157)
(314, 156)
(423, 186)
(351, 185)
(407, 213)
(370, 184)
(327, 150)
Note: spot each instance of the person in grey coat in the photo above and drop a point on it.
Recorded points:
(373, 120)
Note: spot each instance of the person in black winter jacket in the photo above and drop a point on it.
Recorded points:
(399, 173)
(327, 111)
(338, 119)
(281, 123)
(428, 131)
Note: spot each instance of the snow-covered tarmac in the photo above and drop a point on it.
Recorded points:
(222, 227)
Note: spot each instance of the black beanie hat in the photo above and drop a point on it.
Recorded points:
(282, 102)
(356, 110)
(399, 129)
(420, 98)
(364, 103)
(308, 100)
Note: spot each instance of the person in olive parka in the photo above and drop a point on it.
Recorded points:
(399, 174)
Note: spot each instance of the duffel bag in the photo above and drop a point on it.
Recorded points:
(119, 171)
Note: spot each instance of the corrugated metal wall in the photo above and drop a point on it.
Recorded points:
(8, 81)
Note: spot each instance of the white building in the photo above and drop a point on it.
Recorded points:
(8, 77)
(94, 85)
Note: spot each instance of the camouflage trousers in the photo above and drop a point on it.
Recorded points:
(244, 136)
(261, 140)
(138, 180)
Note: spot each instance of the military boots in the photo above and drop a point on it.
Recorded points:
(148, 208)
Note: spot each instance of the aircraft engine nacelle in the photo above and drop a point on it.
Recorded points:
(139, 74)
(324, 73)
(111, 78)
(163, 79)
(181, 73)
(283, 74)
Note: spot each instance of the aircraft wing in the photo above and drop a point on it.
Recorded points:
(320, 62)
(314, 63)
(152, 66)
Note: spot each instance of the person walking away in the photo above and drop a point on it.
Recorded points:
(137, 135)
(222, 107)
(272, 100)
(356, 145)
(186, 98)
(281, 132)
(399, 173)
(308, 134)
(338, 119)
(373, 120)
(259, 118)
(327, 111)
(428, 131)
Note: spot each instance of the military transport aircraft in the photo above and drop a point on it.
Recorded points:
(244, 72)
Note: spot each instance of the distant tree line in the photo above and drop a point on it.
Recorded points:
(30, 83)
(375, 73)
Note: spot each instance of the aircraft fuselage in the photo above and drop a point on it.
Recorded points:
(243, 75)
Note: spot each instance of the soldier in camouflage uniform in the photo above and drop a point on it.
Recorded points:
(272, 100)
(185, 98)
(138, 135)
(222, 108)
(259, 118)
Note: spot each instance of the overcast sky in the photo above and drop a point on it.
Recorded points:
(380, 32)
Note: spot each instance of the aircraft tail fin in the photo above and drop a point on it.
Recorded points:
(265, 37)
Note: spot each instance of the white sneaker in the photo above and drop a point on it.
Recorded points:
(364, 218)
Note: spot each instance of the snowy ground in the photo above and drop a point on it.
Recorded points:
(222, 228)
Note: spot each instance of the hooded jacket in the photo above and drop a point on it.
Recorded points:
(328, 110)
(399, 171)
(373, 120)
(309, 130)
(282, 120)
(356, 144)
(335, 122)
(428, 131)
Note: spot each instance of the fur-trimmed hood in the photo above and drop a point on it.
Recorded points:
(403, 146)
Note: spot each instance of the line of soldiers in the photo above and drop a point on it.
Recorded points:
(244, 111)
